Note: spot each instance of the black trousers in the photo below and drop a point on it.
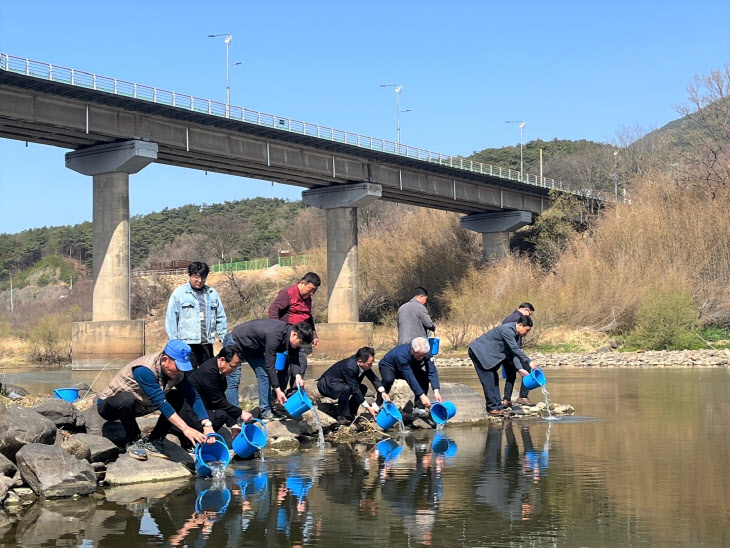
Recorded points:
(200, 353)
(121, 407)
(388, 376)
(342, 392)
(509, 384)
(490, 382)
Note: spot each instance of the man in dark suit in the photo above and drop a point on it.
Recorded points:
(494, 349)
(525, 309)
(209, 380)
(343, 382)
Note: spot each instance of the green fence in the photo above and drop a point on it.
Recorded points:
(258, 264)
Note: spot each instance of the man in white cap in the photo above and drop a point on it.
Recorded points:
(144, 386)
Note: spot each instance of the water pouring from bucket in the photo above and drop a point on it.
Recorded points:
(212, 458)
(253, 437)
(298, 403)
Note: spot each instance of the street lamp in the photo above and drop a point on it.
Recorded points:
(228, 41)
(615, 176)
(522, 126)
(398, 89)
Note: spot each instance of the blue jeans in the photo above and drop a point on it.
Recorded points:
(258, 364)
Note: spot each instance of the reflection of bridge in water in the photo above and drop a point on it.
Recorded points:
(116, 128)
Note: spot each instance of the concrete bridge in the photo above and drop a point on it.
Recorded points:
(116, 128)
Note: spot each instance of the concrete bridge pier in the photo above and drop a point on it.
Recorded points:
(111, 338)
(495, 227)
(343, 333)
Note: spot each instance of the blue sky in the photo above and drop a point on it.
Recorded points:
(570, 69)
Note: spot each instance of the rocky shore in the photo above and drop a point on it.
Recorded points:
(609, 357)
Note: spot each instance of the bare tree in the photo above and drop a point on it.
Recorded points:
(706, 158)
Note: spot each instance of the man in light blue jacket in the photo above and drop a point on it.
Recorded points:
(195, 314)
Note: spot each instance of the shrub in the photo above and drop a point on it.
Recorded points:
(50, 339)
(665, 320)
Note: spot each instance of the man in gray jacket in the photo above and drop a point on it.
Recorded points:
(413, 318)
(494, 349)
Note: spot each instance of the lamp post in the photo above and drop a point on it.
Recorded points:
(228, 40)
(615, 176)
(398, 89)
(521, 124)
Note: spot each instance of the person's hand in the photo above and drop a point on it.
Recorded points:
(315, 342)
(246, 416)
(437, 395)
(209, 430)
(425, 401)
(522, 372)
(534, 365)
(193, 435)
(299, 381)
(372, 412)
(280, 397)
(386, 397)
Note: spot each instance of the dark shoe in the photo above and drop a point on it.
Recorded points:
(343, 421)
(524, 401)
(506, 403)
(499, 413)
(267, 416)
(136, 450)
(418, 412)
(155, 448)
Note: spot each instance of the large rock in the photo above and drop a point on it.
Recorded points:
(52, 472)
(7, 468)
(14, 391)
(470, 405)
(308, 426)
(20, 426)
(62, 413)
(96, 448)
(284, 428)
(126, 470)
(94, 422)
(402, 395)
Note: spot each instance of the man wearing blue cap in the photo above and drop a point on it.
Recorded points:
(144, 386)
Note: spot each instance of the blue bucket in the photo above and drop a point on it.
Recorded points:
(299, 486)
(211, 452)
(534, 380)
(213, 500)
(434, 344)
(66, 394)
(298, 403)
(537, 460)
(388, 416)
(250, 484)
(389, 450)
(281, 360)
(251, 439)
(442, 412)
(442, 445)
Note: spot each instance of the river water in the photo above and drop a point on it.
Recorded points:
(644, 462)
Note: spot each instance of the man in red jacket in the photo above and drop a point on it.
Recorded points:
(293, 304)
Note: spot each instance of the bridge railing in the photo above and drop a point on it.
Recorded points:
(55, 73)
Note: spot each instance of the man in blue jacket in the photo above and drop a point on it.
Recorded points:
(414, 363)
(258, 341)
(195, 314)
(343, 382)
(494, 349)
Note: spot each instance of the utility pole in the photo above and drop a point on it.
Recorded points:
(541, 164)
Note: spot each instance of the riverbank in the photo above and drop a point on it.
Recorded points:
(649, 358)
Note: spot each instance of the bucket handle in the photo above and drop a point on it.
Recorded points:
(199, 446)
(260, 425)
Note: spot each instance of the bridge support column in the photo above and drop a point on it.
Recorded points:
(495, 228)
(344, 333)
(111, 337)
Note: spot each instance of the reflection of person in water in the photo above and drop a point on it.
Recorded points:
(203, 521)
(507, 485)
(415, 495)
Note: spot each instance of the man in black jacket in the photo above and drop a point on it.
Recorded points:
(342, 382)
(209, 381)
(258, 341)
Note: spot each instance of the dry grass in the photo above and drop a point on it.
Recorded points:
(13, 351)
